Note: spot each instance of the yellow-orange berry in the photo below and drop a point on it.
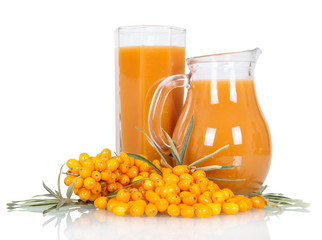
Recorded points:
(84, 172)
(69, 179)
(106, 153)
(171, 178)
(105, 175)
(180, 169)
(136, 195)
(89, 183)
(133, 172)
(187, 211)
(97, 176)
(242, 205)
(83, 157)
(145, 167)
(174, 210)
(151, 210)
(198, 174)
(203, 211)
(112, 164)
(258, 202)
(173, 198)
(189, 199)
(100, 202)
(112, 178)
(230, 208)
(162, 205)
(84, 194)
(97, 188)
(79, 183)
(137, 210)
(124, 167)
(123, 195)
(185, 185)
(119, 211)
(112, 187)
(152, 196)
(144, 174)
(124, 180)
(204, 199)
(215, 208)
(218, 197)
(148, 185)
(100, 165)
(186, 176)
(71, 162)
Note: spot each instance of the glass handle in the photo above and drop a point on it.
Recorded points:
(157, 104)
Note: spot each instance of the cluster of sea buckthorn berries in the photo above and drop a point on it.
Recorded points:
(176, 192)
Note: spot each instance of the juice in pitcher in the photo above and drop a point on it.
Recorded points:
(145, 56)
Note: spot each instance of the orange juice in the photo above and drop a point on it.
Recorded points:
(141, 69)
(226, 112)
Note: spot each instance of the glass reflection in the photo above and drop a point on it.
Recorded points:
(210, 137)
(237, 136)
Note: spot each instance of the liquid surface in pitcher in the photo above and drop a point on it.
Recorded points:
(227, 112)
(142, 68)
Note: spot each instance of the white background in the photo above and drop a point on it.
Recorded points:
(57, 89)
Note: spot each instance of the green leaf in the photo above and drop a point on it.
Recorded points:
(138, 157)
(58, 182)
(208, 156)
(226, 179)
(217, 167)
(49, 209)
(186, 140)
(43, 195)
(155, 145)
(113, 194)
(173, 148)
(49, 190)
(60, 204)
(70, 189)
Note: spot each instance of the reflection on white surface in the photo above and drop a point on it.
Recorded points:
(237, 136)
(101, 224)
(210, 137)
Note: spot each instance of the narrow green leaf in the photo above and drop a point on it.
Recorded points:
(173, 148)
(225, 179)
(154, 144)
(49, 190)
(138, 157)
(49, 209)
(113, 194)
(208, 156)
(70, 189)
(43, 195)
(186, 140)
(60, 204)
(217, 167)
(58, 182)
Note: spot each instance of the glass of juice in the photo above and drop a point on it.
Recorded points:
(145, 55)
(221, 97)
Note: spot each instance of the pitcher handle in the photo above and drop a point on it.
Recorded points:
(157, 104)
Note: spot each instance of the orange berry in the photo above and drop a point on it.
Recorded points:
(159, 183)
(100, 202)
(152, 196)
(112, 178)
(203, 211)
(71, 162)
(186, 176)
(89, 183)
(148, 185)
(84, 172)
(119, 211)
(187, 211)
(242, 204)
(173, 198)
(207, 193)
(203, 180)
(139, 184)
(232, 199)
(84, 194)
(145, 167)
(195, 189)
(189, 199)
(111, 204)
(155, 176)
(151, 210)
(180, 169)
(69, 179)
(174, 210)
(166, 171)
(133, 172)
(97, 176)
(97, 188)
(218, 197)
(230, 208)
(124, 180)
(171, 178)
(106, 153)
(144, 174)
(123, 195)
(216, 208)
(162, 205)
(83, 157)
(124, 167)
(198, 174)
(165, 190)
(79, 183)
(136, 196)
(227, 190)
(112, 164)
(112, 187)
(185, 184)
(204, 199)
(105, 175)
(258, 202)
(100, 165)
(89, 163)
(75, 168)
(140, 202)
(137, 210)
(184, 193)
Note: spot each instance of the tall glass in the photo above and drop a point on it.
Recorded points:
(145, 55)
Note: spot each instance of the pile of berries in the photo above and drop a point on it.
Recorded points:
(176, 191)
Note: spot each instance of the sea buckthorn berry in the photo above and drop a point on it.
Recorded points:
(123, 195)
(140, 202)
(97, 188)
(133, 172)
(118, 174)
(100, 202)
(173, 199)
(111, 204)
(166, 171)
(148, 185)
(142, 190)
(215, 208)
(174, 210)
(89, 163)
(213, 185)
(137, 210)
(175, 187)
(187, 211)
(258, 202)
(84, 194)
(152, 196)
(180, 169)
(185, 185)
(124, 167)
(136, 196)
(195, 189)
(132, 189)
(97, 176)
(203, 187)
(100, 165)
(155, 176)
(230, 208)
(105, 175)
(171, 178)
(198, 174)
(157, 190)
(126, 206)
(181, 205)
(138, 163)
(112, 187)
(159, 183)
(144, 174)
(119, 211)
(162, 205)
(139, 184)
(118, 186)
(151, 210)
(249, 203)
(89, 183)
(79, 183)
(112, 164)
(145, 167)
(186, 176)
(189, 199)
(76, 190)
(83, 157)
(184, 193)
(157, 163)
(84, 172)
(218, 197)
(69, 179)
(203, 180)
(207, 193)
(124, 180)
(232, 199)
(124, 156)
(242, 204)
(204, 199)
(203, 211)
(227, 190)
(75, 168)
(112, 178)
(94, 197)
(106, 153)
(71, 162)
(166, 190)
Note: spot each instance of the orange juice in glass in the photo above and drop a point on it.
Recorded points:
(145, 55)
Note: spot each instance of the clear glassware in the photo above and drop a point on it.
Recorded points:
(145, 55)
(221, 96)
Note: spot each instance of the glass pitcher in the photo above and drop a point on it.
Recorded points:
(221, 96)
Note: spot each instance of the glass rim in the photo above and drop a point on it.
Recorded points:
(139, 28)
